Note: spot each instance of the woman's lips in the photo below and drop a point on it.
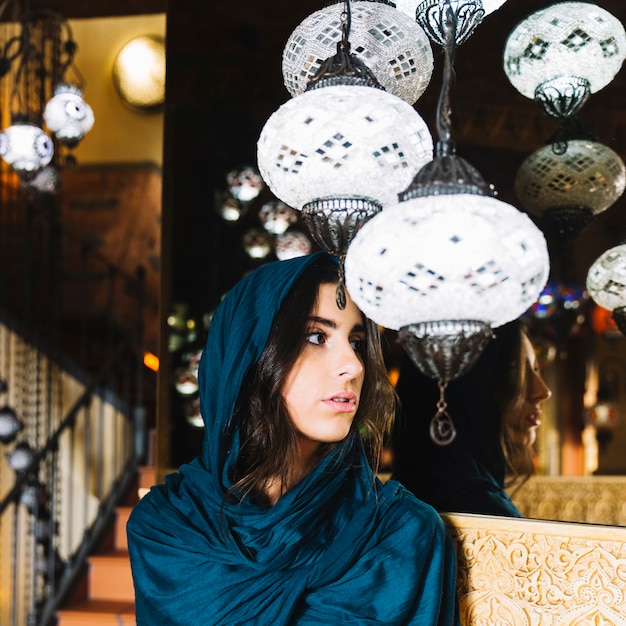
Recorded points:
(534, 419)
(343, 402)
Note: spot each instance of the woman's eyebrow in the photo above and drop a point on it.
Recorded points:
(322, 321)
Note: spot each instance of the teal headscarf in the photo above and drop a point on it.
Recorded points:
(336, 548)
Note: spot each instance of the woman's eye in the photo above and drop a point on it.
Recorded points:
(358, 345)
(316, 338)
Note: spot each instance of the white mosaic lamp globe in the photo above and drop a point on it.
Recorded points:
(26, 147)
(569, 183)
(606, 283)
(67, 115)
(344, 142)
(391, 44)
(562, 53)
(461, 257)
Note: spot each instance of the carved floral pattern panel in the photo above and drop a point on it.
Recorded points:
(531, 573)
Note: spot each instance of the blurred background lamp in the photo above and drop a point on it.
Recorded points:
(26, 148)
(606, 283)
(139, 73)
(67, 115)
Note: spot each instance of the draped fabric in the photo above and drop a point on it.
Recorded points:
(466, 476)
(338, 547)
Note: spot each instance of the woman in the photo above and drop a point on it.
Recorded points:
(496, 409)
(281, 520)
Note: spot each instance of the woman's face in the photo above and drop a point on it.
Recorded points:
(323, 388)
(527, 419)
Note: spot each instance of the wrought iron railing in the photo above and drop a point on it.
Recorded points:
(72, 378)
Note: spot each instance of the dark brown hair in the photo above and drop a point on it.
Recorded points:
(269, 445)
(510, 387)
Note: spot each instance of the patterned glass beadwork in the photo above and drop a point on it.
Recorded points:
(565, 39)
(586, 175)
(342, 142)
(606, 278)
(451, 257)
(392, 45)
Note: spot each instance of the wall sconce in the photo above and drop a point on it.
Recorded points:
(139, 73)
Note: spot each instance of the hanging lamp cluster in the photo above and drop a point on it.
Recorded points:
(426, 247)
(46, 93)
(344, 148)
(558, 56)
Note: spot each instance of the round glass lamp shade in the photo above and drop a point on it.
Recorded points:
(291, 244)
(276, 217)
(139, 73)
(10, 424)
(26, 148)
(606, 278)
(449, 257)
(391, 44)
(47, 180)
(67, 115)
(244, 184)
(560, 54)
(569, 187)
(342, 142)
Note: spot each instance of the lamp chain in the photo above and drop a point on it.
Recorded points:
(449, 24)
(346, 25)
(442, 430)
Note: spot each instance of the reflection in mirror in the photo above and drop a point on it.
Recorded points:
(496, 408)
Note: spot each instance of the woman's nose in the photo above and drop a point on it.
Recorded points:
(350, 364)
(540, 390)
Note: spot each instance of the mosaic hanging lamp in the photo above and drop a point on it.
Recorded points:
(391, 44)
(561, 54)
(569, 183)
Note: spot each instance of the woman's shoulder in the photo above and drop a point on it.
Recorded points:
(403, 509)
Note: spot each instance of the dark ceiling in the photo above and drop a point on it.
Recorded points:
(76, 9)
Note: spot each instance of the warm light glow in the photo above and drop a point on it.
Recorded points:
(151, 361)
(139, 72)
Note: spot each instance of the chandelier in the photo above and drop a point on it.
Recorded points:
(38, 61)
(448, 263)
